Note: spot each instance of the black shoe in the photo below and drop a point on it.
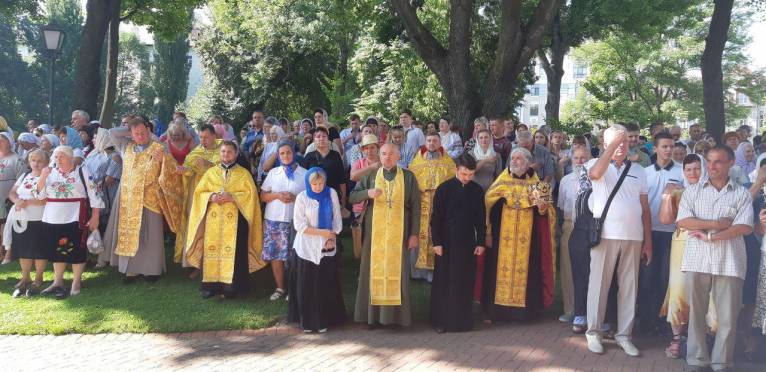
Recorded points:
(152, 278)
(229, 295)
(19, 292)
(61, 293)
(207, 294)
(129, 279)
(373, 326)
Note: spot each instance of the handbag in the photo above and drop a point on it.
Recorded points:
(594, 226)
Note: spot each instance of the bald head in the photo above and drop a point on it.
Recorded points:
(389, 155)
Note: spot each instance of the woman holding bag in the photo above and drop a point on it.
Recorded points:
(317, 302)
(70, 197)
(24, 227)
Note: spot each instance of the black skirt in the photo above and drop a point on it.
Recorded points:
(318, 298)
(31, 244)
(63, 243)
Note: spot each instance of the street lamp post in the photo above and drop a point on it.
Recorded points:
(53, 39)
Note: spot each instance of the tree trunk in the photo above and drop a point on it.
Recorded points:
(554, 71)
(110, 90)
(712, 73)
(516, 45)
(88, 75)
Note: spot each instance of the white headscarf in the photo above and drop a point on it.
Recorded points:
(480, 154)
(103, 140)
(28, 137)
(9, 137)
(703, 173)
(52, 139)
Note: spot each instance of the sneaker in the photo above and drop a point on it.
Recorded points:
(566, 318)
(277, 294)
(323, 330)
(594, 344)
(629, 348)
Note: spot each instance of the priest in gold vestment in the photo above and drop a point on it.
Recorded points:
(519, 269)
(225, 234)
(391, 227)
(150, 190)
(431, 167)
(199, 160)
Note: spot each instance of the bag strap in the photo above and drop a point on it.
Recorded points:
(84, 185)
(614, 191)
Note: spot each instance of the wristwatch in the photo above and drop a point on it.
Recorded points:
(710, 236)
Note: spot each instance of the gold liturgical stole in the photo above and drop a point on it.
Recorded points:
(149, 184)
(515, 235)
(191, 178)
(211, 241)
(387, 241)
(430, 174)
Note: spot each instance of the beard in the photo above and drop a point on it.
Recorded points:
(519, 171)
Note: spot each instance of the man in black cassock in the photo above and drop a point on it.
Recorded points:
(458, 232)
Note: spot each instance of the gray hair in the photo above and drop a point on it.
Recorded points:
(64, 150)
(524, 136)
(272, 120)
(81, 114)
(483, 120)
(523, 151)
(610, 132)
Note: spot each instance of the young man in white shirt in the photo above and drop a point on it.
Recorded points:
(414, 135)
(653, 277)
(625, 238)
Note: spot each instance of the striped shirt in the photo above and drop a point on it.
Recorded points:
(722, 257)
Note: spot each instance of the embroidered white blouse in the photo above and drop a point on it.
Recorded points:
(277, 181)
(67, 186)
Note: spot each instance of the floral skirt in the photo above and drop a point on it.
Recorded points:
(64, 242)
(276, 240)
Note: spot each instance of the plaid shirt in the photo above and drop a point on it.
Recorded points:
(722, 257)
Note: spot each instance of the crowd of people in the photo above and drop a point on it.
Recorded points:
(662, 231)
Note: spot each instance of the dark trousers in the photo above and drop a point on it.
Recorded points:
(579, 255)
(653, 281)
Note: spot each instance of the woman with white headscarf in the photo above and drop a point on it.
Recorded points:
(48, 142)
(11, 167)
(276, 134)
(488, 162)
(102, 163)
(676, 306)
(745, 159)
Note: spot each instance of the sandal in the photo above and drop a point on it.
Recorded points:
(61, 293)
(50, 290)
(674, 349)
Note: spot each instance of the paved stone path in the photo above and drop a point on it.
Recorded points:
(542, 346)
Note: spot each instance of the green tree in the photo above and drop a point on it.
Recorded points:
(21, 95)
(171, 77)
(580, 20)
(135, 76)
(479, 77)
(66, 14)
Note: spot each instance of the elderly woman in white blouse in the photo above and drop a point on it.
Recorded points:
(70, 197)
(317, 302)
(25, 229)
(279, 189)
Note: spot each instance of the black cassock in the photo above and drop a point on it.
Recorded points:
(458, 225)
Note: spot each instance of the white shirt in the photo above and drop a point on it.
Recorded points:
(623, 221)
(568, 195)
(24, 190)
(277, 181)
(722, 257)
(415, 137)
(306, 214)
(59, 186)
(657, 178)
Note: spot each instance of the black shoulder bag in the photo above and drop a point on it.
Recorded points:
(594, 226)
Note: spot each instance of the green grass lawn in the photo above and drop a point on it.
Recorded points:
(172, 304)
